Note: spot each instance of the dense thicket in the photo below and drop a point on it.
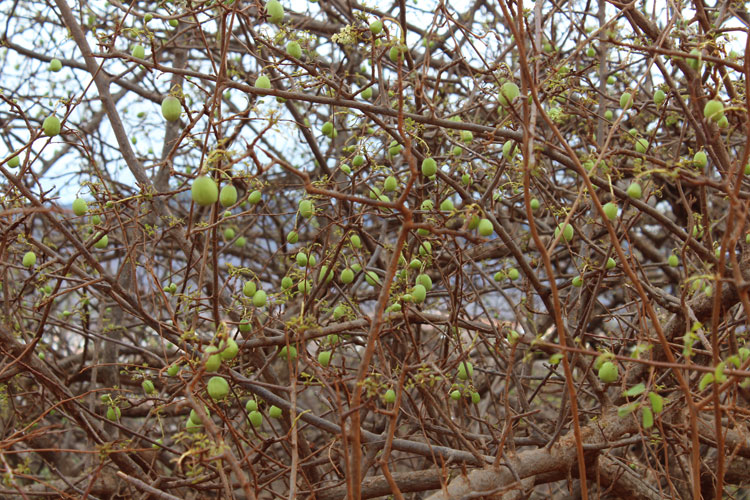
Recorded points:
(338, 250)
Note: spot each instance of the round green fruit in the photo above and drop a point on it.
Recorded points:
(376, 27)
(173, 370)
(304, 286)
(700, 159)
(389, 396)
(228, 195)
(51, 126)
(608, 372)
(347, 276)
(251, 405)
(475, 398)
(425, 281)
(534, 204)
(456, 395)
(465, 370)
(260, 298)
(255, 418)
(673, 260)
(229, 349)
(611, 263)
(355, 240)
(274, 412)
(55, 65)
(513, 273)
(626, 100)
(635, 191)
(113, 413)
(301, 259)
(249, 288)
(291, 352)
(293, 49)
(577, 282)
(508, 92)
(171, 108)
(275, 11)
(714, 110)
(372, 278)
(101, 242)
(14, 161)
(567, 231)
(419, 293)
(390, 184)
(204, 191)
(254, 197)
(429, 167)
(641, 145)
(148, 387)
(262, 82)
(218, 388)
(80, 207)
(213, 362)
(659, 97)
(324, 358)
(610, 210)
(485, 227)
(306, 209)
(138, 52)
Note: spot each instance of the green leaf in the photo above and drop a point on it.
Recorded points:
(636, 390)
(626, 410)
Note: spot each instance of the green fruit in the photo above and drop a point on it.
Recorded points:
(610, 210)
(249, 288)
(465, 370)
(457, 151)
(347, 276)
(427, 205)
(396, 54)
(609, 115)
(611, 263)
(657, 402)
(192, 427)
(251, 405)
(355, 241)
(673, 260)
(425, 281)
(499, 276)
(723, 122)
(29, 259)
(327, 129)
(325, 274)
(608, 372)
(508, 92)
(590, 52)
(390, 184)
(255, 418)
(51, 126)
(534, 204)
(467, 136)
(171, 108)
(138, 52)
(245, 325)
(286, 282)
(415, 264)
(254, 197)
(291, 352)
(304, 286)
(302, 259)
(356, 267)
(425, 249)
(260, 298)
(306, 209)
(14, 161)
(262, 82)
(173, 370)
(641, 145)
(513, 273)
(567, 231)
(101, 242)
(274, 412)
(372, 278)
(213, 362)
(275, 11)
(229, 233)
(366, 93)
(635, 191)
(204, 191)
(195, 418)
(455, 395)
(577, 282)
(696, 60)
(485, 227)
(218, 388)
(647, 417)
(55, 65)
(358, 161)
(714, 110)
(419, 293)
(659, 97)
(376, 27)
(389, 396)
(148, 387)
(429, 167)
(228, 195)
(174, 23)
(80, 207)
(293, 49)
(339, 312)
(475, 398)
(292, 237)
(148, 17)
(700, 159)
(509, 150)
(626, 100)
(324, 358)
(447, 205)
(229, 349)
(113, 413)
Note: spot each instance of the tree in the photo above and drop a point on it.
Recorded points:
(331, 250)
